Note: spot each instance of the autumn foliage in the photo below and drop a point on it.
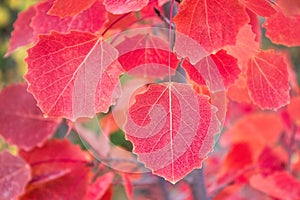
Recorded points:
(153, 99)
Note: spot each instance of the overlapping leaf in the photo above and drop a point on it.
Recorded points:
(90, 20)
(287, 34)
(21, 121)
(293, 110)
(36, 21)
(260, 7)
(289, 7)
(278, 185)
(267, 80)
(98, 189)
(62, 172)
(239, 91)
(64, 8)
(14, 175)
(172, 129)
(256, 129)
(72, 75)
(218, 70)
(124, 6)
(269, 162)
(147, 56)
(245, 46)
(213, 24)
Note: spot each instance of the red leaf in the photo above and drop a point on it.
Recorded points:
(279, 185)
(289, 7)
(64, 8)
(245, 46)
(36, 21)
(72, 75)
(239, 157)
(213, 23)
(287, 34)
(269, 162)
(60, 173)
(146, 56)
(22, 122)
(293, 110)
(256, 129)
(255, 25)
(260, 7)
(172, 129)
(23, 32)
(238, 160)
(213, 68)
(98, 189)
(14, 173)
(91, 20)
(267, 80)
(124, 6)
(239, 91)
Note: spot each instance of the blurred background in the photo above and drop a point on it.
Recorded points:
(14, 67)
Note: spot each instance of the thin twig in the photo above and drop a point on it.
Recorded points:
(115, 22)
(291, 148)
(163, 18)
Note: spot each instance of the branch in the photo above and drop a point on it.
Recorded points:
(164, 19)
(290, 148)
(164, 190)
(197, 185)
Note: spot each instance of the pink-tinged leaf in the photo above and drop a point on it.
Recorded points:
(269, 162)
(21, 121)
(128, 186)
(293, 110)
(289, 7)
(255, 25)
(23, 32)
(91, 20)
(281, 185)
(213, 24)
(64, 8)
(62, 172)
(162, 2)
(14, 175)
(172, 129)
(245, 46)
(239, 91)
(73, 75)
(268, 80)
(98, 189)
(281, 29)
(124, 6)
(217, 70)
(257, 130)
(146, 56)
(260, 7)
(36, 21)
(237, 161)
